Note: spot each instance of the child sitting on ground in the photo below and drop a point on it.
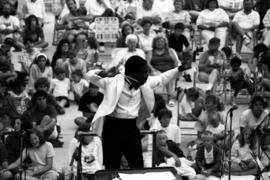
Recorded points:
(163, 123)
(60, 87)
(78, 85)
(208, 157)
(241, 154)
(169, 154)
(91, 152)
(42, 84)
(237, 78)
(88, 104)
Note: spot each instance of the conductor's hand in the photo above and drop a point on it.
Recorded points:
(111, 72)
(177, 162)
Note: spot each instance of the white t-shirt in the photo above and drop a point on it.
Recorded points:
(60, 88)
(216, 130)
(164, 6)
(36, 8)
(173, 17)
(217, 16)
(173, 131)
(94, 148)
(145, 41)
(247, 119)
(95, 9)
(247, 21)
(154, 12)
(12, 22)
(39, 155)
(80, 86)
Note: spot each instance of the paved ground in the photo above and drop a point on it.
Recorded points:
(66, 121)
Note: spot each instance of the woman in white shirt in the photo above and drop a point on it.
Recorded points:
(266, 23)
(213, 21)
(179, 15)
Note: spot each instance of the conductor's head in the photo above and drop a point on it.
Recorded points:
(136, 71)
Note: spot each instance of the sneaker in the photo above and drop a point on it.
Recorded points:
(246, 40)
(171, 103)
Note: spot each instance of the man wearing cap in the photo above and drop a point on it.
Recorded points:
(123, 94)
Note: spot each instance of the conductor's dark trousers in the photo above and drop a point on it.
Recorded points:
(121, 137)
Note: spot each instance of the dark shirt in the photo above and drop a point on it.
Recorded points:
(3, 153)
(37, 114)
(12, 144)
(87, 99)
(34, 35)
(177, 43)
(197, 5)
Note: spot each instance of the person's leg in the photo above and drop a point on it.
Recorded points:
(221, 33)
(49, 175)
(185, 170)
(239, 36)
(207, 35)
(112, 142)
(133, 146)
(212, 79)
(52, 133)
(267, 38)
(42, 45)
(203, 77)
(249, 86)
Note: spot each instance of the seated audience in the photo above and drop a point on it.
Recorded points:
(241, 153)
(91, 152)
(60, 55)
(211, 63)
(191, 105)
(161, 59)
(266, 33)
(40, 68)
(43, 115)
(163, 122)
(34, 32)
(128, 7)
(19, 96)
(169, 154)
(125, 31)
(147, 10)
(9, 25)
(231, 6)
(146, 36)
(41, 154)
(212, 106)
(178, 41)
(28, 55)
(238, 79)
(213, 21)
(88, 104)
(78, 85)
(244, 23)
(74, 63)
(208, 157)
(60, 87)
(12, 141)
(4, 173)
(7, 72)
(124, 54)
(194, 7)
(96, 8)
(178, 15)
(36, 8)
(254, 115)
(42, 84)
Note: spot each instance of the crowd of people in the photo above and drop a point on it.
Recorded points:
(154, 48)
